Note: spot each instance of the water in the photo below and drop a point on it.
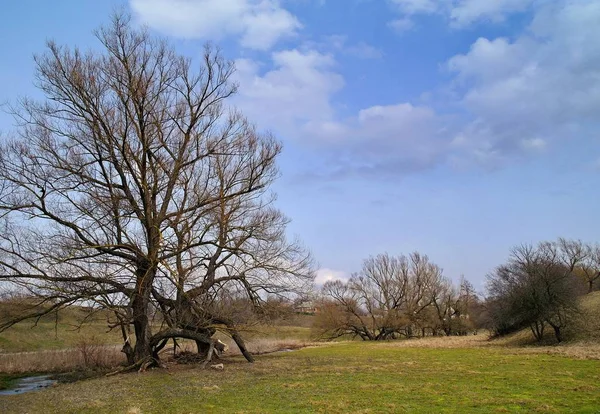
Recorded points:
(29, 384)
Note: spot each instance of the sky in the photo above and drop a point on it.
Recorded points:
(456, 128)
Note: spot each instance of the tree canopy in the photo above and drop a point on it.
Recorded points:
(394, 296)
(537, 287)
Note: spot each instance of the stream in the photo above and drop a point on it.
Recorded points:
(29, 384)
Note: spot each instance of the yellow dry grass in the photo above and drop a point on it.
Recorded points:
(101, 356)
(584, 349)
(61, 360)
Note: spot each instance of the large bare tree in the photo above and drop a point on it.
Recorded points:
(134, 187)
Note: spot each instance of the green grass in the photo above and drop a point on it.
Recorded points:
(339, 378)
(46, 335)
(8, 380)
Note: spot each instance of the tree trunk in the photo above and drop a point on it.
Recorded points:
(242, 346)
(202, 347)
(141, 326)
(141, 322)
(209, 355)
(557, 333)
(538, 330)
(128, 351)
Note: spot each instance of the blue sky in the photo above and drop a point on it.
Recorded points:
(457, 128)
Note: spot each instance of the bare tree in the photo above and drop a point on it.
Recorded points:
(390, 297)
(134, 188)
(589, 269)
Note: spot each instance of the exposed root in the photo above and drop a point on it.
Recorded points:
(139, 366)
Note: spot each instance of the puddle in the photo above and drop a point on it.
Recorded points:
(29, 384)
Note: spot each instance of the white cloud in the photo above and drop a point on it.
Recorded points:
(402, 25)
(340, 44)
(409, 8)
(516, 97)
(295, 95)
(296, 90)
(383, 141)
(327, 275)
(543, 85)
(466, 12)
(258, 23)
(416, 6)
(460, 13)
(363, 50)
(534, 144)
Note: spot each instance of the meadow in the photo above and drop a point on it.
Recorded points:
(429, 375)
(422, 376)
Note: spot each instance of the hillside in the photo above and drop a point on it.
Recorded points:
(64, 329)
(585, 328)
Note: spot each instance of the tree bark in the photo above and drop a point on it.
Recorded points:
(557, 333)
(211, 348)
(140, 307)
(242, 346)
(537, 328)
(202, 347)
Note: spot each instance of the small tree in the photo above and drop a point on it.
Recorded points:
(589, 269)
(536, 287)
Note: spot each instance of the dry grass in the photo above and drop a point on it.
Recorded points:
(256, 346)
(87, 351)
(89, 355)
(577, 350)
(98, 356)
(516, 343)
(260, 346)
(469, 341)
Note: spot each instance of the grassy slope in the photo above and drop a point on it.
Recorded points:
(343, 377)
(47, 334)
(585, 327)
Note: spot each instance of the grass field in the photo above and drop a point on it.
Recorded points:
(430, 375)
(457, 375)
(51, 332)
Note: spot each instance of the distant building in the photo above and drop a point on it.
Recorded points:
(306, 307)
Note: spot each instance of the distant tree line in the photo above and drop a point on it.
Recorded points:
(397, 296)
(408, 296)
